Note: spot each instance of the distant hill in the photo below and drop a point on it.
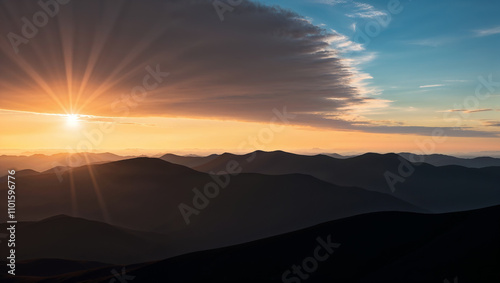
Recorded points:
(338, 156)
(444, 160)
(145, 194)
(41, 162)
(390, 247)
(438, 189)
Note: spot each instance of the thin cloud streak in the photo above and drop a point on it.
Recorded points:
(428, 86)
(471, 110)
(488, 32)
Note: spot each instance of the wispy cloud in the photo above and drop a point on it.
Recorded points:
(367, 11)
(332, 2)
(359, 9)
(353, 57)
(343, 43)
(428, 86)
(491, 123)
(488, 31)
(446, 39)
(82, 118)
(471, 110)
(433, 41)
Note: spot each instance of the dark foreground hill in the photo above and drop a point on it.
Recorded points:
(378, 247)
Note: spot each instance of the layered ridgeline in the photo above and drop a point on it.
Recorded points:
(391, 247)
(437, 189)
(445, 160)
(204, 210)
(256, 196)
(42, 162)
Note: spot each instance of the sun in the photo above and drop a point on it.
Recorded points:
(72, 120)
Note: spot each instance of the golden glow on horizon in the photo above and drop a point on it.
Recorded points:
(25, 131)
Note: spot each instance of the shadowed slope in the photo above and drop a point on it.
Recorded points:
(391, 247)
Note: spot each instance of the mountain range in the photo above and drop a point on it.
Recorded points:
(252, 217)
(437, 189)
(145, 194)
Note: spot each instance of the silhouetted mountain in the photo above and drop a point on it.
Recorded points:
(443, 160)
(390, 247)
(64, 237)
(21, 173)
(189, 161)
(145, 194)
(439, 189)
(41, 162)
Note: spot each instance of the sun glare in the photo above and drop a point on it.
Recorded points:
(72, 120)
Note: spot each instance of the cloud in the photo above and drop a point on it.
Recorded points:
(83, 118)
(471, 111)
(428, 131)
(366, 11)
(446, 40)
(258, 59)
(360, 10)
(491, 123)
(428, 86)
(344, 44)
(488, 31)
(92, 56)
(332, 2)
(435, 41)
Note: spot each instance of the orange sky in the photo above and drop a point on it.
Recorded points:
(24, 132)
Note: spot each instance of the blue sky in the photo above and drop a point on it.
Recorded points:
(444, 45)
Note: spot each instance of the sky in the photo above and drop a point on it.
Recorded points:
(308, 76)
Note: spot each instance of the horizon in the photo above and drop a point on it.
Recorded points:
(158, 153)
